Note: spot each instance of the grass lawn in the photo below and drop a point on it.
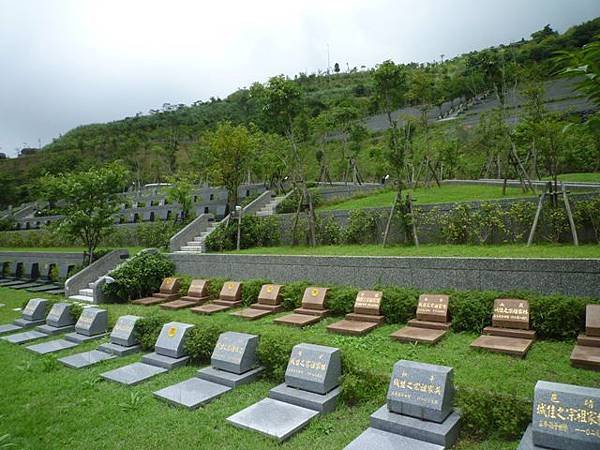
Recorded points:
(46, 405)
(132, 250)
(585, 177)
(422, 196)
(496, 251)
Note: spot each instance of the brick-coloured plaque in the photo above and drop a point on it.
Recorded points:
(592, 320)
(368, 302)
(198, 288)
(270, 294)
(170, 285)
(511, 313)
(232, 291)
(314, 298)
(433, 308)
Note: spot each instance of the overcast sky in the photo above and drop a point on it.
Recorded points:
(65, 63)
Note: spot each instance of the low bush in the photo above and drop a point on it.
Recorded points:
(138, 277)
(255, 231)
(290, 203)
(148, 328)
(340, 300)
(292, 294)
(251, 289)
(201, 341)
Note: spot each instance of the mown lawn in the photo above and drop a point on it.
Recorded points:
(46, 405)
(423, 196)
(470, 251)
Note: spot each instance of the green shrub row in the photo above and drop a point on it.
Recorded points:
(254, 232)
(484, 413)
(556, 317)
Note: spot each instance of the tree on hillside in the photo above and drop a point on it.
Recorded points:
(225, 156)
(91, 199)
(283, 109)
(180, 191)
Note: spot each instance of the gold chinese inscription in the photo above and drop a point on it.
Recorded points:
(564, 419)
(516, 311)
(123, 327)
(416, 391)
(232, 352)
(307, 367)
(432, 306)
(368, 300)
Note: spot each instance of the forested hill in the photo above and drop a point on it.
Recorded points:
(158, 142)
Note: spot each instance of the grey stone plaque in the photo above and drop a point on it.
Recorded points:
(192, 393)
(273, 418)
(85, 359)
(566, 416)
(235, 352)
(133, 373)
(119, 350)
(171, 341)
(229, 378)
(93, 321)
(314, 368)
(35, 309)
(51, 346)
(123, 332)
(384, 440)
(420, 390)
(60, 315)
(26, 336)
(9, 328)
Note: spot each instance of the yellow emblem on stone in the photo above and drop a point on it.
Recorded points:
(269, 289)
(230, 286)
(314, 292)
(172, 331)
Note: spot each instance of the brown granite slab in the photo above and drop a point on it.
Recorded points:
(166, 297)
(433, 308)
(430, 325)
(511, 313)
(509, 332)
(271, 308)
(312, 312)
(149, 301)
(586, 357)
(170, 285)
(178, 304)
(351, 327)
(228, 303)
(589, 341)
(368, 302)
(297, 320)
(231, 291)
(366, 318)
(421, 335)
(209, 308)
(314, 298)
(251, 313)
(498, 344)
(197, 300)
(592, 320)
(270, 294)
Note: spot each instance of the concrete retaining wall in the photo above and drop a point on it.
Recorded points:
(546, 276)
(41, 262)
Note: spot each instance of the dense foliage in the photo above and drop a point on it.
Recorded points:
(171, 140)
(138, 277)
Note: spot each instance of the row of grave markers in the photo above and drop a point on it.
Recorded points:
(510, 332)
(419, 412)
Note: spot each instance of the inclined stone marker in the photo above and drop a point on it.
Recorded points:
(586, 353)
(33, 314)
(122, 343)
(234, 362)
(311, 388)
(418, 413)
(565, 417)
(170, 353)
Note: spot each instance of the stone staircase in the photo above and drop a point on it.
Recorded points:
(263, 206)
(270, 208)
(197, 245)
(85, 295)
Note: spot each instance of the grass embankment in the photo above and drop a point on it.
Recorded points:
(423, 196)
(46, 405)
(470, 251)
(584, 177)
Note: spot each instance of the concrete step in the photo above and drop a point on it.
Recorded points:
(195, 243)
(189, 249)
(86, 292)
(82, 298)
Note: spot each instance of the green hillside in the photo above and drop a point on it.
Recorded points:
(166, 141)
